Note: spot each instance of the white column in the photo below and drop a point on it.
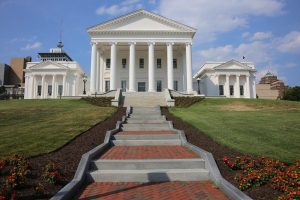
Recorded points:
(93, 69)
(26, 87)
(101, 67)
(189, 75)
(97, 71)
(151, 73)
(43, 87)
(132, 67)
(217, 77)
(64, 85)
(33, 88)
(53, 86)
(237, 93)
(113, 66)
(170, 66)
(247, 86)
(226, 87)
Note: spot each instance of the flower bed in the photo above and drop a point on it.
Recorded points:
(99, 101)
(15, 173)
(257, 172)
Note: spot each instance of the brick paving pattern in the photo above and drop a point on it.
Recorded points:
(145, 132)
(148, 152)
(203, 190)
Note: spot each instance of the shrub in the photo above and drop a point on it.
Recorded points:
(99, 101)
(292, 94)
(184, 102)
(39, 189)
(53, 173)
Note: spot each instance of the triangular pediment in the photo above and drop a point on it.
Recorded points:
(141, 20)
(232, 65)
(48, 65)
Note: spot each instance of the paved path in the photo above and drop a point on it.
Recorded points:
(147, 161)
(203, 190)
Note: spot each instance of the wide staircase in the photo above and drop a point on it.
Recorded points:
(144, 99)
(148, 161)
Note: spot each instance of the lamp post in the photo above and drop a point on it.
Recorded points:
(198, 81)
(84, 78)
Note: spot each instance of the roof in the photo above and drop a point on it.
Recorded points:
(268, 74)
(63, 54)
(105, 26)
(217, 66)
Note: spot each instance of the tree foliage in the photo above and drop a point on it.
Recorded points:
(292, 94)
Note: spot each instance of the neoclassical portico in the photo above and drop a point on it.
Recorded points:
(141, 52)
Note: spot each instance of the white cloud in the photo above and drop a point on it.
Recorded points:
(35, 45)
(118, 9)
(218, 16)
(152, 1)
(261, 36)
(289, 43)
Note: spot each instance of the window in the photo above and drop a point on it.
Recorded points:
(158, 63)
(107, 86)
(60, 90)
(141, 87)
(241, 90)
(108, 63)
(221, 90)
(175, 85)
(39, 90)
(49, 90)
(123, 85)
(124, 63)
(158, 86)
(175, 63)
(141, 63)
(231, 90)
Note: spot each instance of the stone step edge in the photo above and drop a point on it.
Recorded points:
(150, 160)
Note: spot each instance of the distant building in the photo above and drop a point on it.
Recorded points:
(4, 74)
(55, 75)
(16, 74)
(232, 79)
(270, 87)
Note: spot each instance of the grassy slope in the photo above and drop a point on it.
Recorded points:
(260, 127)
(33, 127)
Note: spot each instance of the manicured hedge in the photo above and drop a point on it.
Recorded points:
(99, 101)
(184, 102)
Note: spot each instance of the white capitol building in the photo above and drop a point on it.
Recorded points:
(139, 52)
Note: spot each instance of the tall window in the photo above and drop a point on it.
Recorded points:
(141, 87)
(123, 85)
(175, 63)
(124, 63)
(241, 90)
(175, 85)
(108, 63)
(39, 90)
(158, 63)
(107, 86)
(60, 90)
(141, 63)
(158, 85)
(49, 90)
(231, 90)
(221, 90)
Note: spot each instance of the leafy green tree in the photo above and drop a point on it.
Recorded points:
(2, 89)
(292, 94)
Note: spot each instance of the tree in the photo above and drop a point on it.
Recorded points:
(2, 89)
(292, 94)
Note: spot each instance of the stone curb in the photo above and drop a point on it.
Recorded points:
(68, 191)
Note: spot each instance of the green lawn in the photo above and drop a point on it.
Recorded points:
(32, 127)
(259, 127)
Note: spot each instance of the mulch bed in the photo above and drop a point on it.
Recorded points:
(198, 138)
(68, 157)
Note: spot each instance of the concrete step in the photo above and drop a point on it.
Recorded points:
(146, 142)
(146, 121)
(148, 175)
(148, 164)
(147, 137)
(147, 127)
(146, 116)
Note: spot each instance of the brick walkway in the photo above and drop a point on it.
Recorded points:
(203, 190)
(145, 132)
(148, 152)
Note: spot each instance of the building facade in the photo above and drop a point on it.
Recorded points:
(232, 79)
(4, 74)
(56, 75)
(141, 52)
(270, 87)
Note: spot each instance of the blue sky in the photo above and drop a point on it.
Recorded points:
(266, 32)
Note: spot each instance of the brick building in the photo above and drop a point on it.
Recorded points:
(270, 87)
